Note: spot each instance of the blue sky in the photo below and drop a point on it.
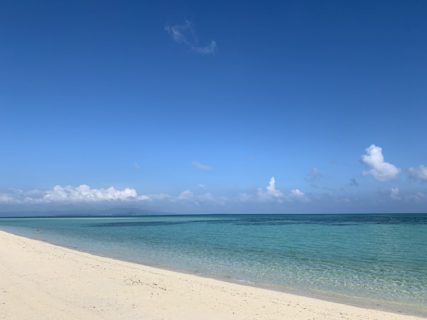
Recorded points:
(196, 106)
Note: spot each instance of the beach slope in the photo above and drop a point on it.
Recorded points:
(43, 281)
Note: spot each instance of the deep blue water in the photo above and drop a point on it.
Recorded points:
(376, 259)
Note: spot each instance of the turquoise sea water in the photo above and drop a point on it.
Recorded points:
(379, 260)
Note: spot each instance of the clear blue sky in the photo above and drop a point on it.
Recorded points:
(195, 105)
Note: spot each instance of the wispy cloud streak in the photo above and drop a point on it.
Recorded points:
(185, 34)
(201, 166)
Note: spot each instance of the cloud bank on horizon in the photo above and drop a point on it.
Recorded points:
(373, 160)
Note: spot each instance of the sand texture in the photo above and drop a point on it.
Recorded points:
(42, 281)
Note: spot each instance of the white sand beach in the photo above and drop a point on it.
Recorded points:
(43, 281)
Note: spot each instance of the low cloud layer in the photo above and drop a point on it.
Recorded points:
(297, 194)
(419, 173)
(85, 193)
(186, 195)
(5, 198)
(271, 194)
(373, 159)
(270, 198)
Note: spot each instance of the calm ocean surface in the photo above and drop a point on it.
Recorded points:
(369, 259)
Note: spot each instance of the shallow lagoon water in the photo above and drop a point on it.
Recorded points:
(373, 259)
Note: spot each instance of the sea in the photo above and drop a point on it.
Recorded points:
(373, 260)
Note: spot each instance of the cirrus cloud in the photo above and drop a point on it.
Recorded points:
(201, 166)
(185, 34)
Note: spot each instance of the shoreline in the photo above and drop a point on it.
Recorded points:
(136, 286)
(371, 303)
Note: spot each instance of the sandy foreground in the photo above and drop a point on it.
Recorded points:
(43, 281)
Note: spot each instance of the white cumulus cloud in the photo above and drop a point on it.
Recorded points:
(297, 194)
(377, 167)
(419, 172)
(271, 188)
(270, 192)
(85, 193)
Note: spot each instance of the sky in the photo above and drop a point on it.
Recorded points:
(213, 106)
